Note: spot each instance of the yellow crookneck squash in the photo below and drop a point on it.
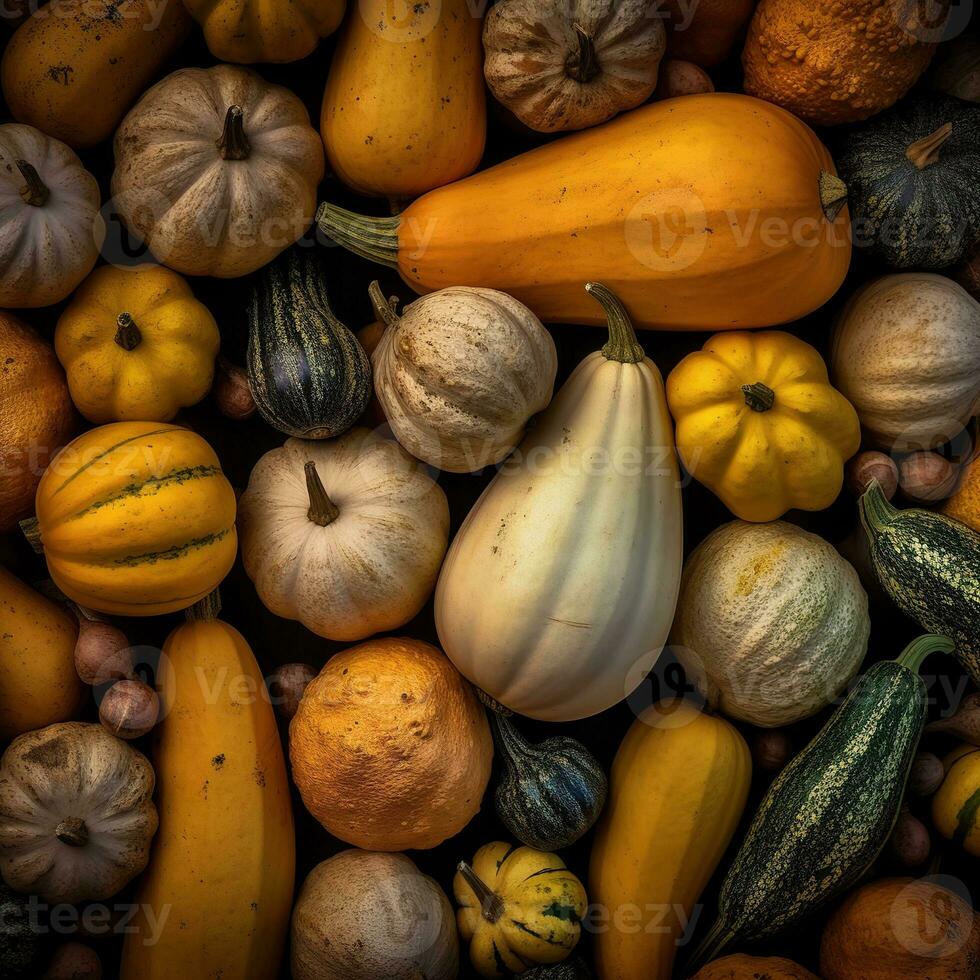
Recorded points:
(678, 786)
(136, 345)
(519, 907)
(760, 425)
(714, 211)
(223, 862)
(404, 109)
(137, 519)
(250, 31)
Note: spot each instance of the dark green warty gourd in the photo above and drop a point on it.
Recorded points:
(573, 968)
(831, 810)
(929, 565)
(309, 375)
(913, 185)
(550, 794)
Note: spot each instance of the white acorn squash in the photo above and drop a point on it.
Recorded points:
(558, 591)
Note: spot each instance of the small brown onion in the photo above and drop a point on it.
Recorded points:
(231, 392)
(73, 961)
(102, 653)
(910, 842)
(868, 466)
(967, 273)
(771, 749)
(926, 774)
(678, 78)
(926, 477)
(129, 709)
(286, 687)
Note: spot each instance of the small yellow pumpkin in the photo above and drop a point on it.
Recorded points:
(759, 424)
(518, 907)
(964, 504)
(137, 519)
(136, 345)
(956, 805)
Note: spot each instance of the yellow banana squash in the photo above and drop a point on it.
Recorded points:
(678, 787)
(223, 863)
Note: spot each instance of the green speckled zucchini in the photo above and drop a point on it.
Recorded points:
(930, 566)
(829, 813)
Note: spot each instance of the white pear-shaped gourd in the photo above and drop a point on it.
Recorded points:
(557, 594)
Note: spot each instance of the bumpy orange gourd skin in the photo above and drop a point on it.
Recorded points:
(740, 966)
(833, 62)
(390, 747)
(38, 682)
(964, 505)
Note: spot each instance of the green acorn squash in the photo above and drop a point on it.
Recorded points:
(912, 176)
(20, 945)
(309, 375)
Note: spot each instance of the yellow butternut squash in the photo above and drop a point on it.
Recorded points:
(224, 858)
(38, 682)
(678, 787)
(404, 109)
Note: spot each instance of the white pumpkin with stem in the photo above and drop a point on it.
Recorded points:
(460, 373)
(50, 227)
(217, 170)
(345, 535)
(76, 813)
(557, 594)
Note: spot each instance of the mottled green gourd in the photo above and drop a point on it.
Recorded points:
(929, 565)
(831, 810)
(571, 969)
(309, 375)
(912, 178)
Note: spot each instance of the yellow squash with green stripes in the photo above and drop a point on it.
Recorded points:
(956, 805)
(137, 519)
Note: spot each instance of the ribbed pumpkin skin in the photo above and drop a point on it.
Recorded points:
(912, 218)
(309, 375)
(137, 519)
(956, 805)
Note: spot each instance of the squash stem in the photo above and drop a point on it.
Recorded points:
(493, 704)
(233, 143)
(323, 510)
(833, 194)
(30, 527)
(491, 904)
(582, 65)
(128, 335)
(622, 345)
(386, 310)
(509, 740)
(205, 610)
(34, 192)
(876, 511)
(713, 943)
(925, 152)
(72, 831)
(370, 238)
(759, 397)
(921, 647)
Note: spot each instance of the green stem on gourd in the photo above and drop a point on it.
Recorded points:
(72, 831)
(128, 335)
(31, 529)
(759, 397)
(622, 345)
(717, 938)
(34, 192)
(370, 238)
(505, 734)
(876, 512)
(833, 194)
(921, 647)
(493, 704)
(323, 510)
(582, 65)
(205, 610)
(386, 310)
(233, 143)
(491, 904)
(925, 152)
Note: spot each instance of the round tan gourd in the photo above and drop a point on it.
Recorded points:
(906, 354)
(740, 966)
(771, 622)
(460, 373)
(361, 915)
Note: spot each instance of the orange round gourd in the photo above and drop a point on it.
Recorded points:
(740, 966)
(390, 747)
(964, 505)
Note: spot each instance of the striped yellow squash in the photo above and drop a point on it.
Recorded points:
(956, 805)
(137, 519)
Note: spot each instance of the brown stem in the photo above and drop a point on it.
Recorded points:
(34, 192)
(72, 831)
(622, 345)
(582, 65)
(759, 397)
(491, 904)
(234, 144)
(386, 310)
(128, 335)
(833, 194)
(205, 610)
(323, 510)
(925, 152)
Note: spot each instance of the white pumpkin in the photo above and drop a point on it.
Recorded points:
(459, 374)
(50, 227)
(346, 536)
(558, 591)
(772, 623)
(362, 915)
(217, 170)
(906, 354)
(76, 813)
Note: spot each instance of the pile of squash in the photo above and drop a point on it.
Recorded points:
(489, 490)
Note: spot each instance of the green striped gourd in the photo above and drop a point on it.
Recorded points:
(831, 810)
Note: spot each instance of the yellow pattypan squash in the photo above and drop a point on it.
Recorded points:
(759, 423)
(518, 907)
(136, 345)
(956, 805)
